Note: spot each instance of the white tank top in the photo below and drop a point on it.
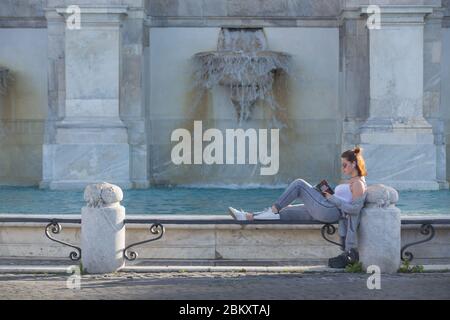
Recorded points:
(343, 191)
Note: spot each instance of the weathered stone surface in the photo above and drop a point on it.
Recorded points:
(379, 233)
(28, 8)
(110, 72)
(262, 242)
(102, 195)
(248, 8)
(91, 136)
(396, 125)
(102, 229)
(381, 195)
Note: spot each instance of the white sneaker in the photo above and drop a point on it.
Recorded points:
(237, 214)
(266, 214)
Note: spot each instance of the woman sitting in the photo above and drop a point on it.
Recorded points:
(344, 206)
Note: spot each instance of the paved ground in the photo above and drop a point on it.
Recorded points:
(226, 286)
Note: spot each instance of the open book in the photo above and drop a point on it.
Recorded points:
(323, 187)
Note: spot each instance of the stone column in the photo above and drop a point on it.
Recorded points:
(91, 141)
(379, 233)
(433, 87)
(398, 142)
(133, 89)
(354, 68)
(102, 229)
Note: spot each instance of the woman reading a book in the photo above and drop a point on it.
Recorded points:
(321, 203)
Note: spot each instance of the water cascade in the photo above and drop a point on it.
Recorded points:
(243, 63)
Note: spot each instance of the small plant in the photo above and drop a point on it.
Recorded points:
(82, 271)
(407, 268)
(355, 267)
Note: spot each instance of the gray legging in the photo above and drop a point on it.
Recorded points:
(315, 206)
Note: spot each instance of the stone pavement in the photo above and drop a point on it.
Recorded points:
(225, 286)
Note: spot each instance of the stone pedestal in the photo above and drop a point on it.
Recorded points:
(102, 229)
(398, 141)
(379, 233)
(91, 141)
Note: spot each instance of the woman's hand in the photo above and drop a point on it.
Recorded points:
(327, 195)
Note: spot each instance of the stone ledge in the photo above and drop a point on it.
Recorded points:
(34, 269)
(277, 269)
(257, 22)
(96, 9)
(23, 22)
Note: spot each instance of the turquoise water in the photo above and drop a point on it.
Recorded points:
(182, 200)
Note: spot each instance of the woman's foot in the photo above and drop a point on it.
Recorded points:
(240, 215)
(344, 259)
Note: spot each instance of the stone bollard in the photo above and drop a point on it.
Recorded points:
(379, 230)
(102, 229)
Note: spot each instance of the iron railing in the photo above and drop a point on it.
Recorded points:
(426, 228)
(54, 226)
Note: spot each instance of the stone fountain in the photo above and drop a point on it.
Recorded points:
(243, 63)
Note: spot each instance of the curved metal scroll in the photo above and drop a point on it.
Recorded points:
(329, 229)
(157, 229)
(56, 228)
(427, 230)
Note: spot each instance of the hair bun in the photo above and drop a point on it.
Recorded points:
(357, 150)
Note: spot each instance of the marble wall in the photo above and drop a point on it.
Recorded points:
(23, 109)
(238, 8)
(328, 102)
(309, 143)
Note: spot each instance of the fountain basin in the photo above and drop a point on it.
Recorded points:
(191, 200)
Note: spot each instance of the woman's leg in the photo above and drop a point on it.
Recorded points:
(351, 240)
(342, 230)
(295, 212)
(316, 205)
(291, 212)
